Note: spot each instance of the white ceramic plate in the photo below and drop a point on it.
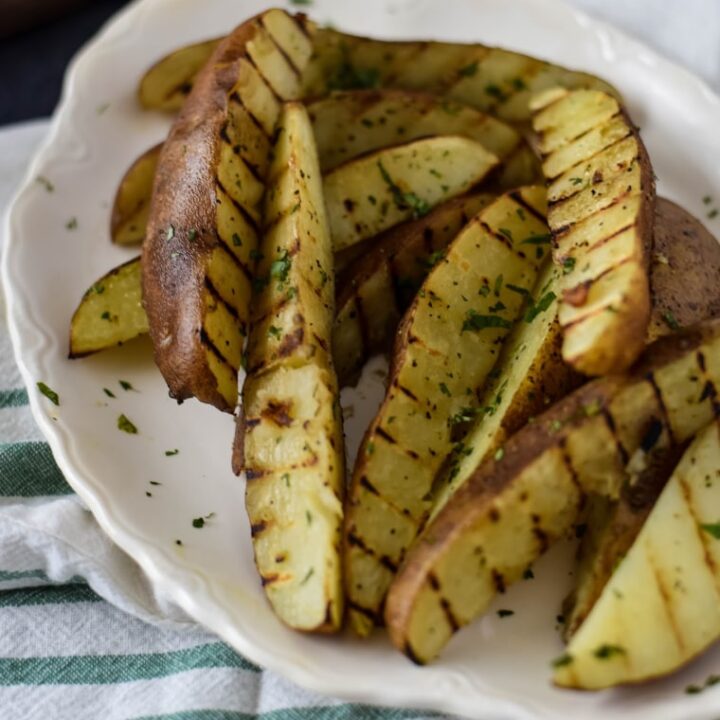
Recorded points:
(492, 670)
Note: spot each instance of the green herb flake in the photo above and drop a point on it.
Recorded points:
(71, 224)
(506, 233)
(538, 239)
(105, 315)
(199, 522)
(308, 517)
(498, 285)
(433, 259)
(475, 321)
(520, 213)
(709, 682)
(370, 448)
(576, 181)
(592, 408)
(404, 200)
(301, 2)
(98, 288)
(528, 574)
(604, 652)
(280, 268)
(126, 425)
(236, 241)
(707, 200)
(275, 332)
(444, 389)
(519, 84)
(499, 454)
(517, 289)
(540, 306)
(505, 613)
(468, 70)
(494, 91)
(109, 393)
(49, 393)
(125, 385)
(562, 661)
(670, 320)
(192, 234)
(45, 183)
(712, 529)
(464, 415)
(101, 109)
(712, 214)
(308, 575)
(568, 265)
(171, 453)
(170, 233)
(286, 479)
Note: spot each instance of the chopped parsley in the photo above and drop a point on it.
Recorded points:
(109, 393)
(301, 2)
(433, 259)
(126, 425)
(199, 522)
(670, 320)
(349, 77)
(71, 224)
(712, 529)
(712, 214)
(192, 234)
(49, 393)
(568, 265)
(475, 321)
(709, 682)
(494, 91)
(45, 183)
(444, 389)
(537, 239)
(562, 661)
(170, 453)
(707, 200)
(505, 233)
(308, 575)
(499, 454)
(463, 415)
(505, 613)
(308, 517)
(275, 332)
(280, 268)
(528, 574)
(468, 70)
(125, 385)
(370, 448)
(286, 479)
(236, 241)
(540, 306)
(605, 652)
(404, 200)
(98, 288)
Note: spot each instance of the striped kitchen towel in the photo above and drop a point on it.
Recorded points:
(82, 635)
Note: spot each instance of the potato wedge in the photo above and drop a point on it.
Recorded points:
(661, 607)
(377, 191)
(375, 290)
(350, 124)
(131, 206)
(201, 245)
(529, 376)
(110, 312)
(530, 494)
(292, 429)
(166, 85)
(684, 271)
(601, 198)
(447, 345)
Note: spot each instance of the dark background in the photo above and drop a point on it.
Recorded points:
(37, 40)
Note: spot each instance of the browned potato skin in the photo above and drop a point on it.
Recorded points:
(183, 200)
(684, 272)
(494, 476)
(131, 196)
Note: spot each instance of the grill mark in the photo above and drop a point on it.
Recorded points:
(251, 474)
(620, 198)
(525, 205)
(597, 152)
(364, 482)
(498, 580)
(279, 48)
(594, 279)
(608, 238)
(449, 614)
(265, 80)
(391, 78)
(405, 391)
(386, 562)
(252, 168)
(650, 377)
(205, 340)
(700, 357)
(240, 264)
(585, 317)
(286, 213)
(251, 221)
(218, 298)
(567, 462)
(709, 389)
(666, 604)
(385, 436)
(183, 88)
(367, 612)
(258, 528)
(612, 427)
(433, 581)
(235, 97)
(301, 21)
(496, 235)
(269, 579)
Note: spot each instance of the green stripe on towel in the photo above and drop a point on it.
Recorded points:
(13, 398)
(27, 469)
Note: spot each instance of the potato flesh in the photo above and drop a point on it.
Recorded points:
(350, 124)
(110, 312)
(599, 176)
(382, 189)
(132, 200)
(661, 607)
(596, 431)
(432, 379)
(377, 289)
(292, 430)
(167, 83)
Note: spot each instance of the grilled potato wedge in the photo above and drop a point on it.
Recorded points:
(375, 291)
(131, 206)
(110, 312)
(519, 502)
(379, 190)
(601, 198)
(684, 271)
(447, 345)
(530, 375)
(201, 245)
(350, 124)
(166, 85)
(292, 429)
(661, 607)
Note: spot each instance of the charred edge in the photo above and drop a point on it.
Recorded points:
(291, 341)
(598, 152)
(320, 341)
(541, 536)
(355, 541)
(250, 423)
(410, 654)
(405, 391)
(278, 413)
(650, 377)
(498, 581)
(516, 195)
(449, 615)
(386, 562)
(267, 82)
(385, 436)
(620, 198)
(251, 474)
(301, 22)
(328, 621)
(433, 581)
(244, 269)
(204, 338)
(257, 528)
(280, 49)
(364, 482)
(570, 467)
(251, 221)
(612, 427)
(218, 298)
(269, 579)
(652, 435)
(498, 236)
(237, 99)
(372, 615)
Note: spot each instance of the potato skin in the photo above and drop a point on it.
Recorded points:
(684, 272)
(183, 207)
